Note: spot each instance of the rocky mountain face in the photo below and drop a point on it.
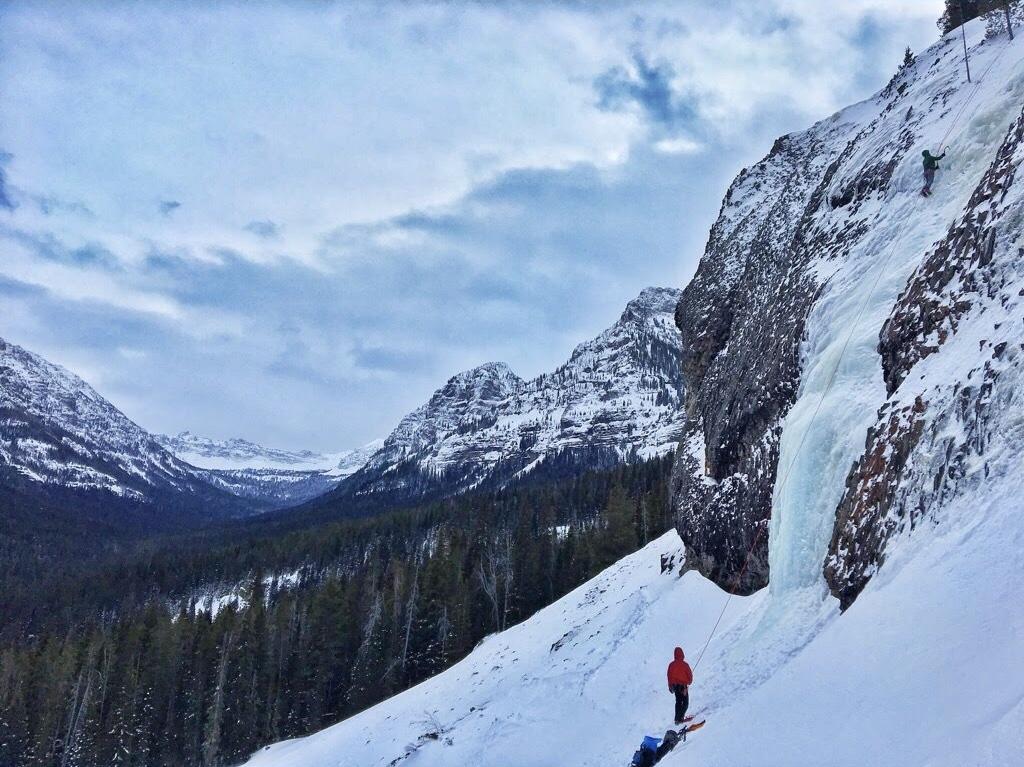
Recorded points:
(272, 477)
(58, 434)
(617, 398)
(742, 318)
(834, 302)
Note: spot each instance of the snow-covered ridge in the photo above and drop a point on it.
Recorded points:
(240, 453)
(617, 398)
(271, 476)
(57, 430)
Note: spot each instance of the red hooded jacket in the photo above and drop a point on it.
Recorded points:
(679, 671)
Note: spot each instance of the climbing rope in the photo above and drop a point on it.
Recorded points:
(973, 93)
(835, 369)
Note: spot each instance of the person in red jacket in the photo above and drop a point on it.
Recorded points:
(680, 677)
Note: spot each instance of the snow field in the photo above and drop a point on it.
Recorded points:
(924, 669)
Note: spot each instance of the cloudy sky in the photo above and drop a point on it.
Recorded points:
(292, 222)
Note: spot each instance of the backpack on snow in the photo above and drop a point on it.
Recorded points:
(647, 754)
(642, 757)
(670, 741)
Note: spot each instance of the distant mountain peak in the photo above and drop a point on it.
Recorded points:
(653, 300)
(271, 476)
(484, 383)
(617, 397)
(239, 453)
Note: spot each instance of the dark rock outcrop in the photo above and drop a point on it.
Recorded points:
(742, 319)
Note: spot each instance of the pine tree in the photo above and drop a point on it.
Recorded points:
(619, 535)
(370, 664)
(998, 16)
(956, 13)
(212, 755)
(15, 739)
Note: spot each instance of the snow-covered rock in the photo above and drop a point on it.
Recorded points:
(617, 398)
(56, 431)
(953, 364)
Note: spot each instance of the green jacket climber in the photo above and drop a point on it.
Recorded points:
(931, 162)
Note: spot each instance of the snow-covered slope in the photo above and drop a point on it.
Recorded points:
(911, 675)
(278, 478)
(56, 432)
(838, 320)
(617, 397)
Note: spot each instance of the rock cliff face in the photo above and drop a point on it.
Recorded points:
(741, 319)
(617, 398)
(815, 249)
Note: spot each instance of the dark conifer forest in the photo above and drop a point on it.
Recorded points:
(108, 661)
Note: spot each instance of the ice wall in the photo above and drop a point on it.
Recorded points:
(841, 387)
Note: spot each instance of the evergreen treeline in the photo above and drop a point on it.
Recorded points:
(379, 606)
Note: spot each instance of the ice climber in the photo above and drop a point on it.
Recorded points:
(931, 164)
(680, 677)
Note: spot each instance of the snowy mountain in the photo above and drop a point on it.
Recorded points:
(58, 434)
(275, 477)
(617, 398)
(237, 453)
(853, 439)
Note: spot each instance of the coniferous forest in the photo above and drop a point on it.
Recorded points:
(123, 668)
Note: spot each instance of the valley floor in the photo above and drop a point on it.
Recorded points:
(924, 669)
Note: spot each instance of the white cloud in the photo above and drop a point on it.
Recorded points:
(680, 145)
(334, 121)
(319, 116)
(114, 290)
